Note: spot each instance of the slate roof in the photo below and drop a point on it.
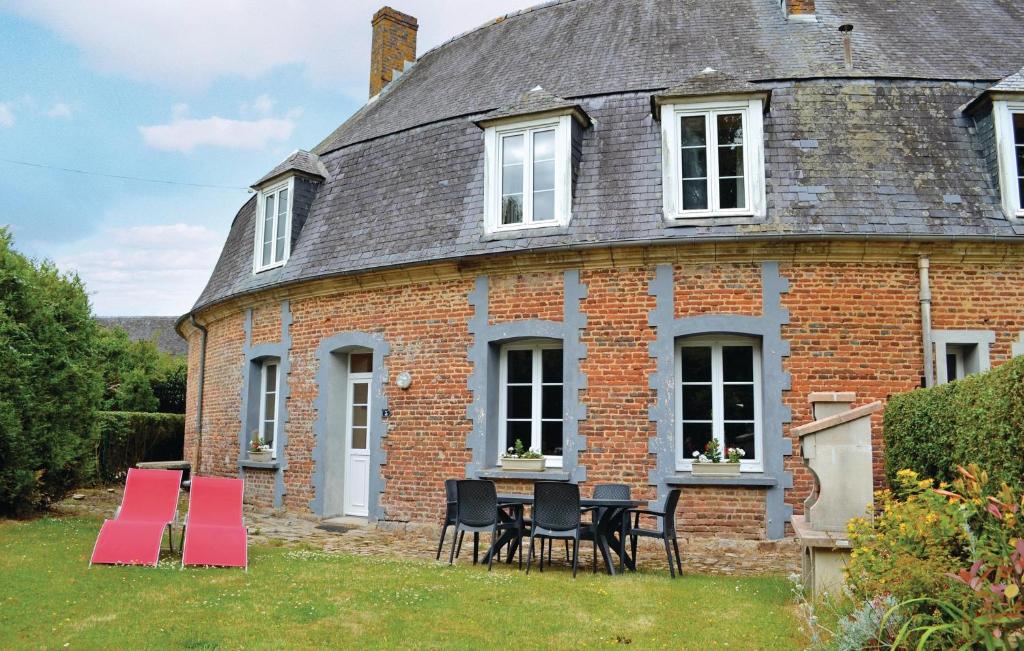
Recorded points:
(299, 161)
(888, 152)
(534, 101)
(708, 83)
(158, 329)
(1011, 84)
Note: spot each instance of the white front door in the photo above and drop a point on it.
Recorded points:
(357, 445)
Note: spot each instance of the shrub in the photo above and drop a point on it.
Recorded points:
(139, 377)
(951, 557)
(49, 386)
(979, 419)
(125, 438)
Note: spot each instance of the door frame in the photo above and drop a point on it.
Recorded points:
(352, 380)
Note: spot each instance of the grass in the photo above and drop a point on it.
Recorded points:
(301, 598)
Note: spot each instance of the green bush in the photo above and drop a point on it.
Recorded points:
(979, 419)
(139, 377)
(49, 384)
(124, 438)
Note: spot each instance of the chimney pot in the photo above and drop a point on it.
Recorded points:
(393, 46)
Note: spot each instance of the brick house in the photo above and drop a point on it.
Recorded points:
(615, 231)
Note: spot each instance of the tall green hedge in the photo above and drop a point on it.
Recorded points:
(124, 438)
(49, 381)
(979, 419)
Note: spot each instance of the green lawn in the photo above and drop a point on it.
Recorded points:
(298, 598)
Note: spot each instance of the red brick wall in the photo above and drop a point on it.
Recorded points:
(266, 324)
(854, 326)
(259, 487)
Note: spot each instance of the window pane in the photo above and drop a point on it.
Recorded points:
(543, 175)
(551, 361)
(731, 193)
(730, 129)
(741, 435)
(695, 195)
(695, 437)
(512, 179)
(696, 363)
(692, 131)
(1018, 128)
(551, 405)
(544, 206)
(282, 203)
(738, 363)
(268, 229)
(519, 402)
(1020, 189)
(360, 393)
(361, 362)
(739, 402)
(730, 161)
(551, 438)
(951, 367)
(520, 366)
(512, 209)
(544, 145)
(268, 433)
(695, 163)
(359, 416)
(512, 152)
(517, 429)
(358, 438)
(271, 371)
(266, 253)
(269, 405)
(697, 402)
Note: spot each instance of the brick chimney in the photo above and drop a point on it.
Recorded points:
(394, 43)
(799, 9)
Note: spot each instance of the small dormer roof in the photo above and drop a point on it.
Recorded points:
(535, 102)
(301, 162)
(708, 83)
(1012, 85)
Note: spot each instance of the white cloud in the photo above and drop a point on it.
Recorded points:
(190, 43)
(262, 105)
(155, 270)
(59, 110)
(6, 114)
(185, 134)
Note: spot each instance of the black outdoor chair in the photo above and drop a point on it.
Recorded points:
(665, 529)
(451, 510)
(557, 514)
(477, 512)
(606, 492)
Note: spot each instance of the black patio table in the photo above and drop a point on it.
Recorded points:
(608, 525)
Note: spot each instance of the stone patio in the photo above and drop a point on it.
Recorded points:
(348, 535)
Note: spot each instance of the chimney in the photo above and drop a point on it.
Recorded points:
(799, 9)
(394, 44)
(847, 45)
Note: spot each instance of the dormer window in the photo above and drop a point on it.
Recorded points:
(713, 159)
(1009, 126)
(529, 174)
(273, 224)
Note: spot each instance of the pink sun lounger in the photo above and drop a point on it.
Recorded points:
(214, 531)
(149, 505)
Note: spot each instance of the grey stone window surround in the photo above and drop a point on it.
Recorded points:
(483, 382)
(329, 355)
(774, 380)
(982, 340)
(249, 417)
(1017, 347)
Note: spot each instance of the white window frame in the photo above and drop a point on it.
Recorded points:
(264, 372)
(716, 342)
(536, 416)
(257, 258)
(1002, 114)
(493, 135)
(753, 157)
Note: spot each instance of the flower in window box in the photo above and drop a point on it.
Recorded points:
(735, 454)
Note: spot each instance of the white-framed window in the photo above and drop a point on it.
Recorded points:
(1009, 127)
(530, 402)
(718, 395)
(528, 174)
(273, 225)
(269, 383)
(713, 159)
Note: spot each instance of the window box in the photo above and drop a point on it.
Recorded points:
(723, 469)
(523, 465)
(260, 457)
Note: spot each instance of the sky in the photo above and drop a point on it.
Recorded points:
(201, 98)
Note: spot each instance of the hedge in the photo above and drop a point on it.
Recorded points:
(124, 438)
(979, 419)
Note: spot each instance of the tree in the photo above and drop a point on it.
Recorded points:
(50, 385)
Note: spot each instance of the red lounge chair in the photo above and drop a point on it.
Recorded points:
(214, 532)
(149, 505)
